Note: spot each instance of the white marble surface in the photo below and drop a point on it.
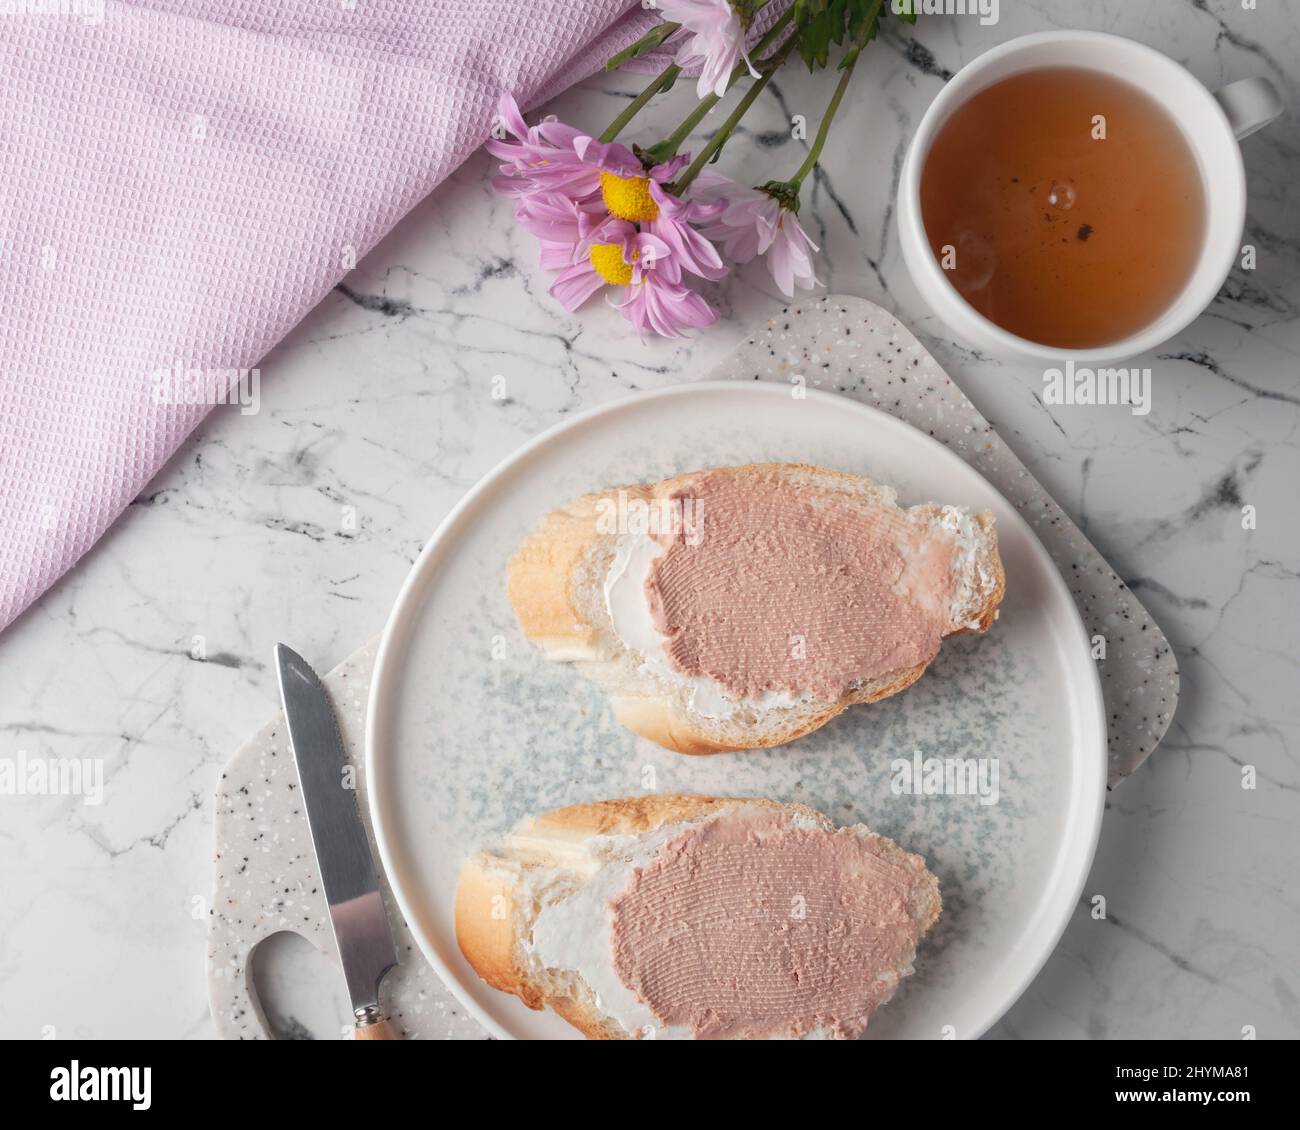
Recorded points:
(382, 401)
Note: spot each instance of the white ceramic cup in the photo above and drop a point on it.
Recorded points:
(1211, 124)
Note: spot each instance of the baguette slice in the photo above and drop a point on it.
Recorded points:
(572, 862)
(556, 584)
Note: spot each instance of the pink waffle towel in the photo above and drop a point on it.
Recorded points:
(182, 180)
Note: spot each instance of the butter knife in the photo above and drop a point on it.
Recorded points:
(347, 869)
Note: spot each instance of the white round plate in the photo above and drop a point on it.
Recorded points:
(470, 729)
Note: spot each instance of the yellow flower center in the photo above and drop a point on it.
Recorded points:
(629, 197)
(607, 259)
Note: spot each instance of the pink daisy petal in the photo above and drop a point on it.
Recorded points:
(716, 40)
(664, 307)
(573, 287)
(541, 158)
(607, 157)
(662, 174)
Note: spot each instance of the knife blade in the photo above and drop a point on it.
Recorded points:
(347, 869)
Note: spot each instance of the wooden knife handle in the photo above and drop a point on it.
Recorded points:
(380, 1030)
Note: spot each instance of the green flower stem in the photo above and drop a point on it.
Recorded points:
(667, 149)
(719, 139)
(820, 141)
(666, 77)
(823, 131)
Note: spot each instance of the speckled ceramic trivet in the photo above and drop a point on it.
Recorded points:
(265, 869)
(266, 882)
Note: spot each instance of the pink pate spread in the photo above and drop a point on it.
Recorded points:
(785, 589)
(746, 926)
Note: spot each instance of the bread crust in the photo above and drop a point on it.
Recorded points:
(540, 585)
(489, 918)
(485, 914)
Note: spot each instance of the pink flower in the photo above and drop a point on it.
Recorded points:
(673, 226)
(788, 255)
(607, 157)
(639, 196)
(603, 219)
(594, 262)
(542, 159)
(644, 266)
(754, 222)
(665, 307)
(716, 41)
(560, 223)
(576, 284)
(737, 228)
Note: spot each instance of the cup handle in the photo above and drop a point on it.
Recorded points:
(1250, 103)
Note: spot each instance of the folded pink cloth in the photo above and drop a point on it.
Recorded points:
(184, 180)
